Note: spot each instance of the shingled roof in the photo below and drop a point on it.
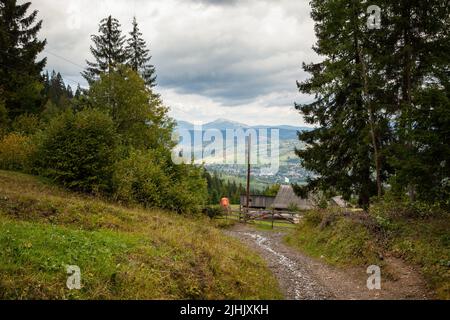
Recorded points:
(286, 197)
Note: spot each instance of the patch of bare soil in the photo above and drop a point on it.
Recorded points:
(304, 278)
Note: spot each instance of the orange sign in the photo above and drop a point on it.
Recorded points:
(224, 202)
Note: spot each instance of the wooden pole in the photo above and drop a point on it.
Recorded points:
(273, 216)
(248, 174)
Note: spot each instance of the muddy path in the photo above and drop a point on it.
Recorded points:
(303, 278)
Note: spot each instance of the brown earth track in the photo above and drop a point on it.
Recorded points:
(304, 278)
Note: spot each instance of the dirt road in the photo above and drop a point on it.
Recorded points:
(303, 278)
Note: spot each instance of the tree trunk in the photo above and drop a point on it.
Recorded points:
(372, 121)
(407, 94)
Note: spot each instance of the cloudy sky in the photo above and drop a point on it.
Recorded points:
(234, 59)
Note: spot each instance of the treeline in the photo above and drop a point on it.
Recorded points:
(112, 139)
(219, 188)
(382, 106)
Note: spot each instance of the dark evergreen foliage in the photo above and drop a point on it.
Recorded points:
(138, 56)
(108, 49)
(382, 100)
(20, 71)
(218, 188)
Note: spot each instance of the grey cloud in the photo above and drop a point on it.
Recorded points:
(230, 51)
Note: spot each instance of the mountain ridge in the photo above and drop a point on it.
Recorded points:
(286, 131)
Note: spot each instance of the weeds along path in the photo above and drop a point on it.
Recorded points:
(303, 278)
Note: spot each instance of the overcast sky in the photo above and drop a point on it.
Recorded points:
(234, 59)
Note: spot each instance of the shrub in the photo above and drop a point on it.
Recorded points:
(77, 150)
(151, 179)
(26, 124)
(313, 218)
(15, 152)
(213, 211)
(140, 178)
(394, 208)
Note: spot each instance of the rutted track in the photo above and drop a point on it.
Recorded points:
(296, 281)
(303, 278)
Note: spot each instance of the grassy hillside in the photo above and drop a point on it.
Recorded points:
(359, 239)
(123, 253)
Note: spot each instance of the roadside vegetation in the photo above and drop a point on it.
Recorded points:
(380, 137)
(418, 235)
(123, 253)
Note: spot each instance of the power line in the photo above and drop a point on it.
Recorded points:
(46, 51)
(65, 59)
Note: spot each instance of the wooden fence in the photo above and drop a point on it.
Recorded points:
(273, 217)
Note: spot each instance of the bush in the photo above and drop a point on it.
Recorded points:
(313, 218)
(77, 150)
(151, 179)
(394, 208)
(213, 211)
(26, 124)
(15, 152)
(140, 178)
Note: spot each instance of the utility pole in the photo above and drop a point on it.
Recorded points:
(248, 173)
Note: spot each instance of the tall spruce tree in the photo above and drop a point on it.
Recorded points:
(138, 56)
(417, 66)
(344, 151)
(382, 98)
(108, 49)
(20, 70)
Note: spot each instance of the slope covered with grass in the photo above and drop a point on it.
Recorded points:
(123, 253)
(361, 240)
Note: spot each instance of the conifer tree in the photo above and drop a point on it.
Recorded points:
(108, 49)
(78, 92)
(417, 67)
(138, 56)
(382, 100)
(342, 151)
(20, 70)
(56, 91)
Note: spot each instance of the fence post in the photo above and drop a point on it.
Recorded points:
(273, 216)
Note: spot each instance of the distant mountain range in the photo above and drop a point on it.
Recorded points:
(286, 132)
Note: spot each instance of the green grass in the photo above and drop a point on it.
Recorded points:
(123, 253)
(344, 242)
(426, 243)
(359, 241)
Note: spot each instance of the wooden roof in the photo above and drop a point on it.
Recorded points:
(286, 197)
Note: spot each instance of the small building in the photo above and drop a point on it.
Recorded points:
(257, 202)
(286, 198)
(339, 202)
